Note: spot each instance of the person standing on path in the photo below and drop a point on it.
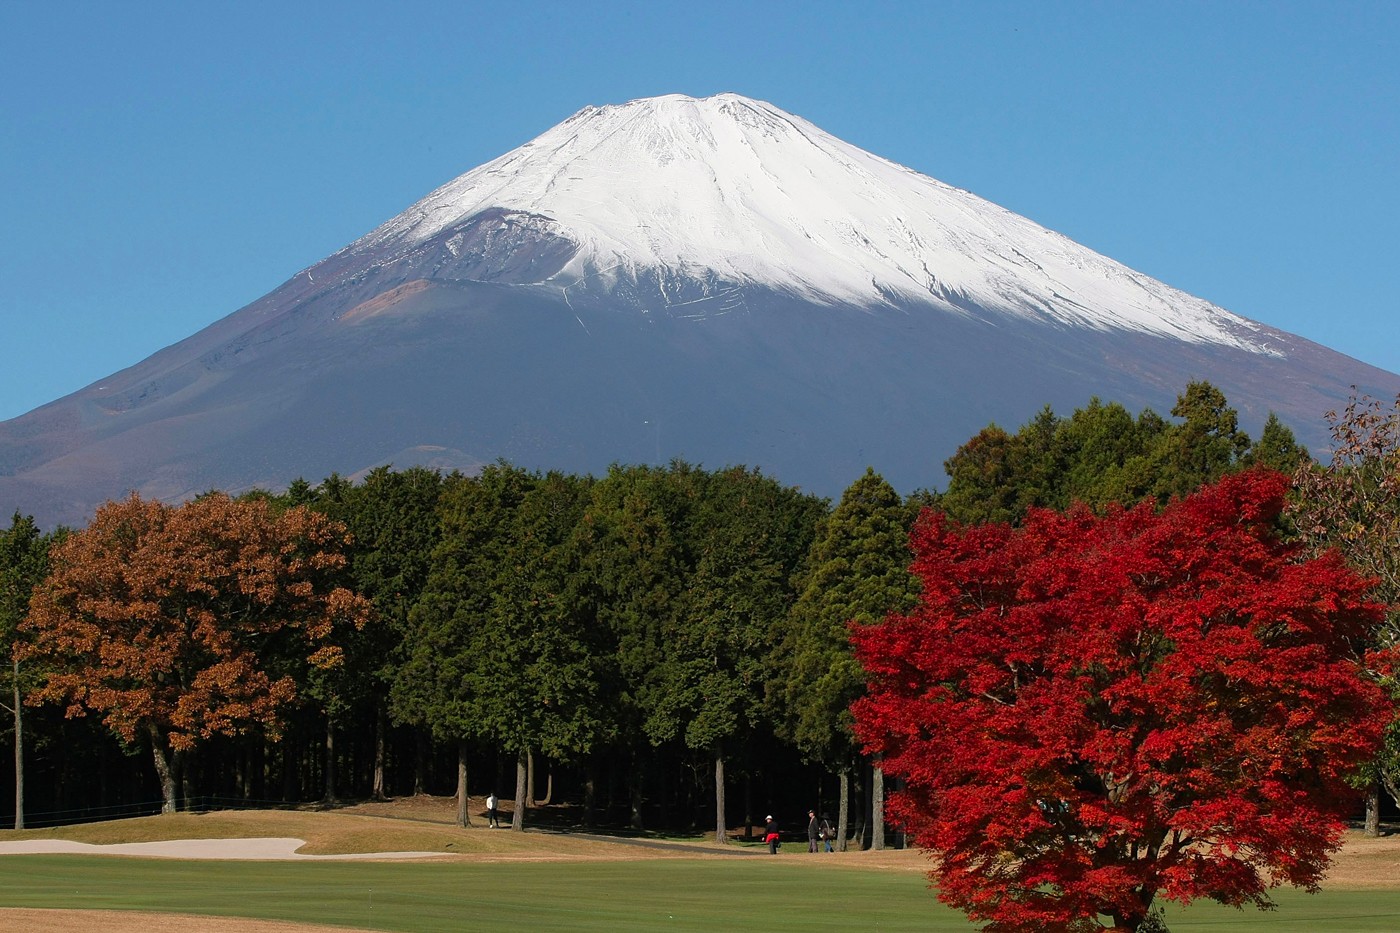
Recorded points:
(814, 831)
(828, 832)
(491, 818)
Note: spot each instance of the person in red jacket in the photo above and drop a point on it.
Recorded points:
(770, 835)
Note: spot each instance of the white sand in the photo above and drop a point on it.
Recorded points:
(270, 849)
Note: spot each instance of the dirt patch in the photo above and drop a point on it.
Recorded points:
(1365, 863)
(24, 920)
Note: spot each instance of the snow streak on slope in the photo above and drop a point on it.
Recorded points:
(738, 190)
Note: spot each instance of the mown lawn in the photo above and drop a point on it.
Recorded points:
(672, 894)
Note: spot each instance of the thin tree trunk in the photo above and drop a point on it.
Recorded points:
(522, 768)
(860, 806)
(184, 764)
(590, 791)
(420, 755)
(463, 817)
(634, 788)
(877, 807)
(377, 790)
(163, 771)
(530, 778)
(19, 754)
(290, 785)
(748, 806)
(721, 825)
(843, 809)
(330, 762)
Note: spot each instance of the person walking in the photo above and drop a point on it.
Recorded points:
(491, 818)
(770, 834)
(814, 831)
(828, 832)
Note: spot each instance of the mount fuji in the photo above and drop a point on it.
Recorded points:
(713, 279)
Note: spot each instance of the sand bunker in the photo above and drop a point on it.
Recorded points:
(265, 849)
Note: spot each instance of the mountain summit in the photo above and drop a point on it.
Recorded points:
(713, 279)
(744, 193)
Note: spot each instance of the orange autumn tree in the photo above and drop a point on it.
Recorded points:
(176, 624)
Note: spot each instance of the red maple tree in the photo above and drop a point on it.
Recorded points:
(1091, 712)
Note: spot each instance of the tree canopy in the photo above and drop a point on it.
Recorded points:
(1352, 506)
(1102, 455)
(160, 619)
(1094, 711)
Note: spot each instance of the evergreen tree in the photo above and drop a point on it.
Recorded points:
(438, 685)
(984, 484)
(630, 548)
(534, 667)
(1277, 448)
(1101, 455)
(1207, 445)
(749, 536)
(856, 573)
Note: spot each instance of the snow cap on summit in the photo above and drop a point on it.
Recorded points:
(744, 192)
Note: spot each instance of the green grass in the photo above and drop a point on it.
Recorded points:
(667, 894)
(670, 894)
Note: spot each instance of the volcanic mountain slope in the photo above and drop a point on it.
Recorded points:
(712, 279)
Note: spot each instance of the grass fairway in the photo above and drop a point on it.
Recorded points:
(672, 894)
(565, 881)
(676, 894)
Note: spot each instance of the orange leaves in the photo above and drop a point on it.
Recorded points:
(164, 616)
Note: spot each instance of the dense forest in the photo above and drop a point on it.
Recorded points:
(661, 647)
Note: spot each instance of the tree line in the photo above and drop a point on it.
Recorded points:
(636, 644)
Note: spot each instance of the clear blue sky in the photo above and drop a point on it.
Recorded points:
(164, 164)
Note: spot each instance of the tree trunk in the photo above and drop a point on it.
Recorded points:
(377, 790)
(184, 778)
(634, 791)
(877, 807)
(163, 770)
(748, 806)
(522, 768)
(529, 778)
(721, 824)
(19, 754)
(329, 797)
(1373, 810)
(463, 817)
(843, 809)
(420, 756)
(860, 806)
(590, 791)
(290, 786)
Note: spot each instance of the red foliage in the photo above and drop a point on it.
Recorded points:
(1092, 711)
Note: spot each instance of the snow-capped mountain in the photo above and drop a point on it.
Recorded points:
(713, 279)
(738, 190)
